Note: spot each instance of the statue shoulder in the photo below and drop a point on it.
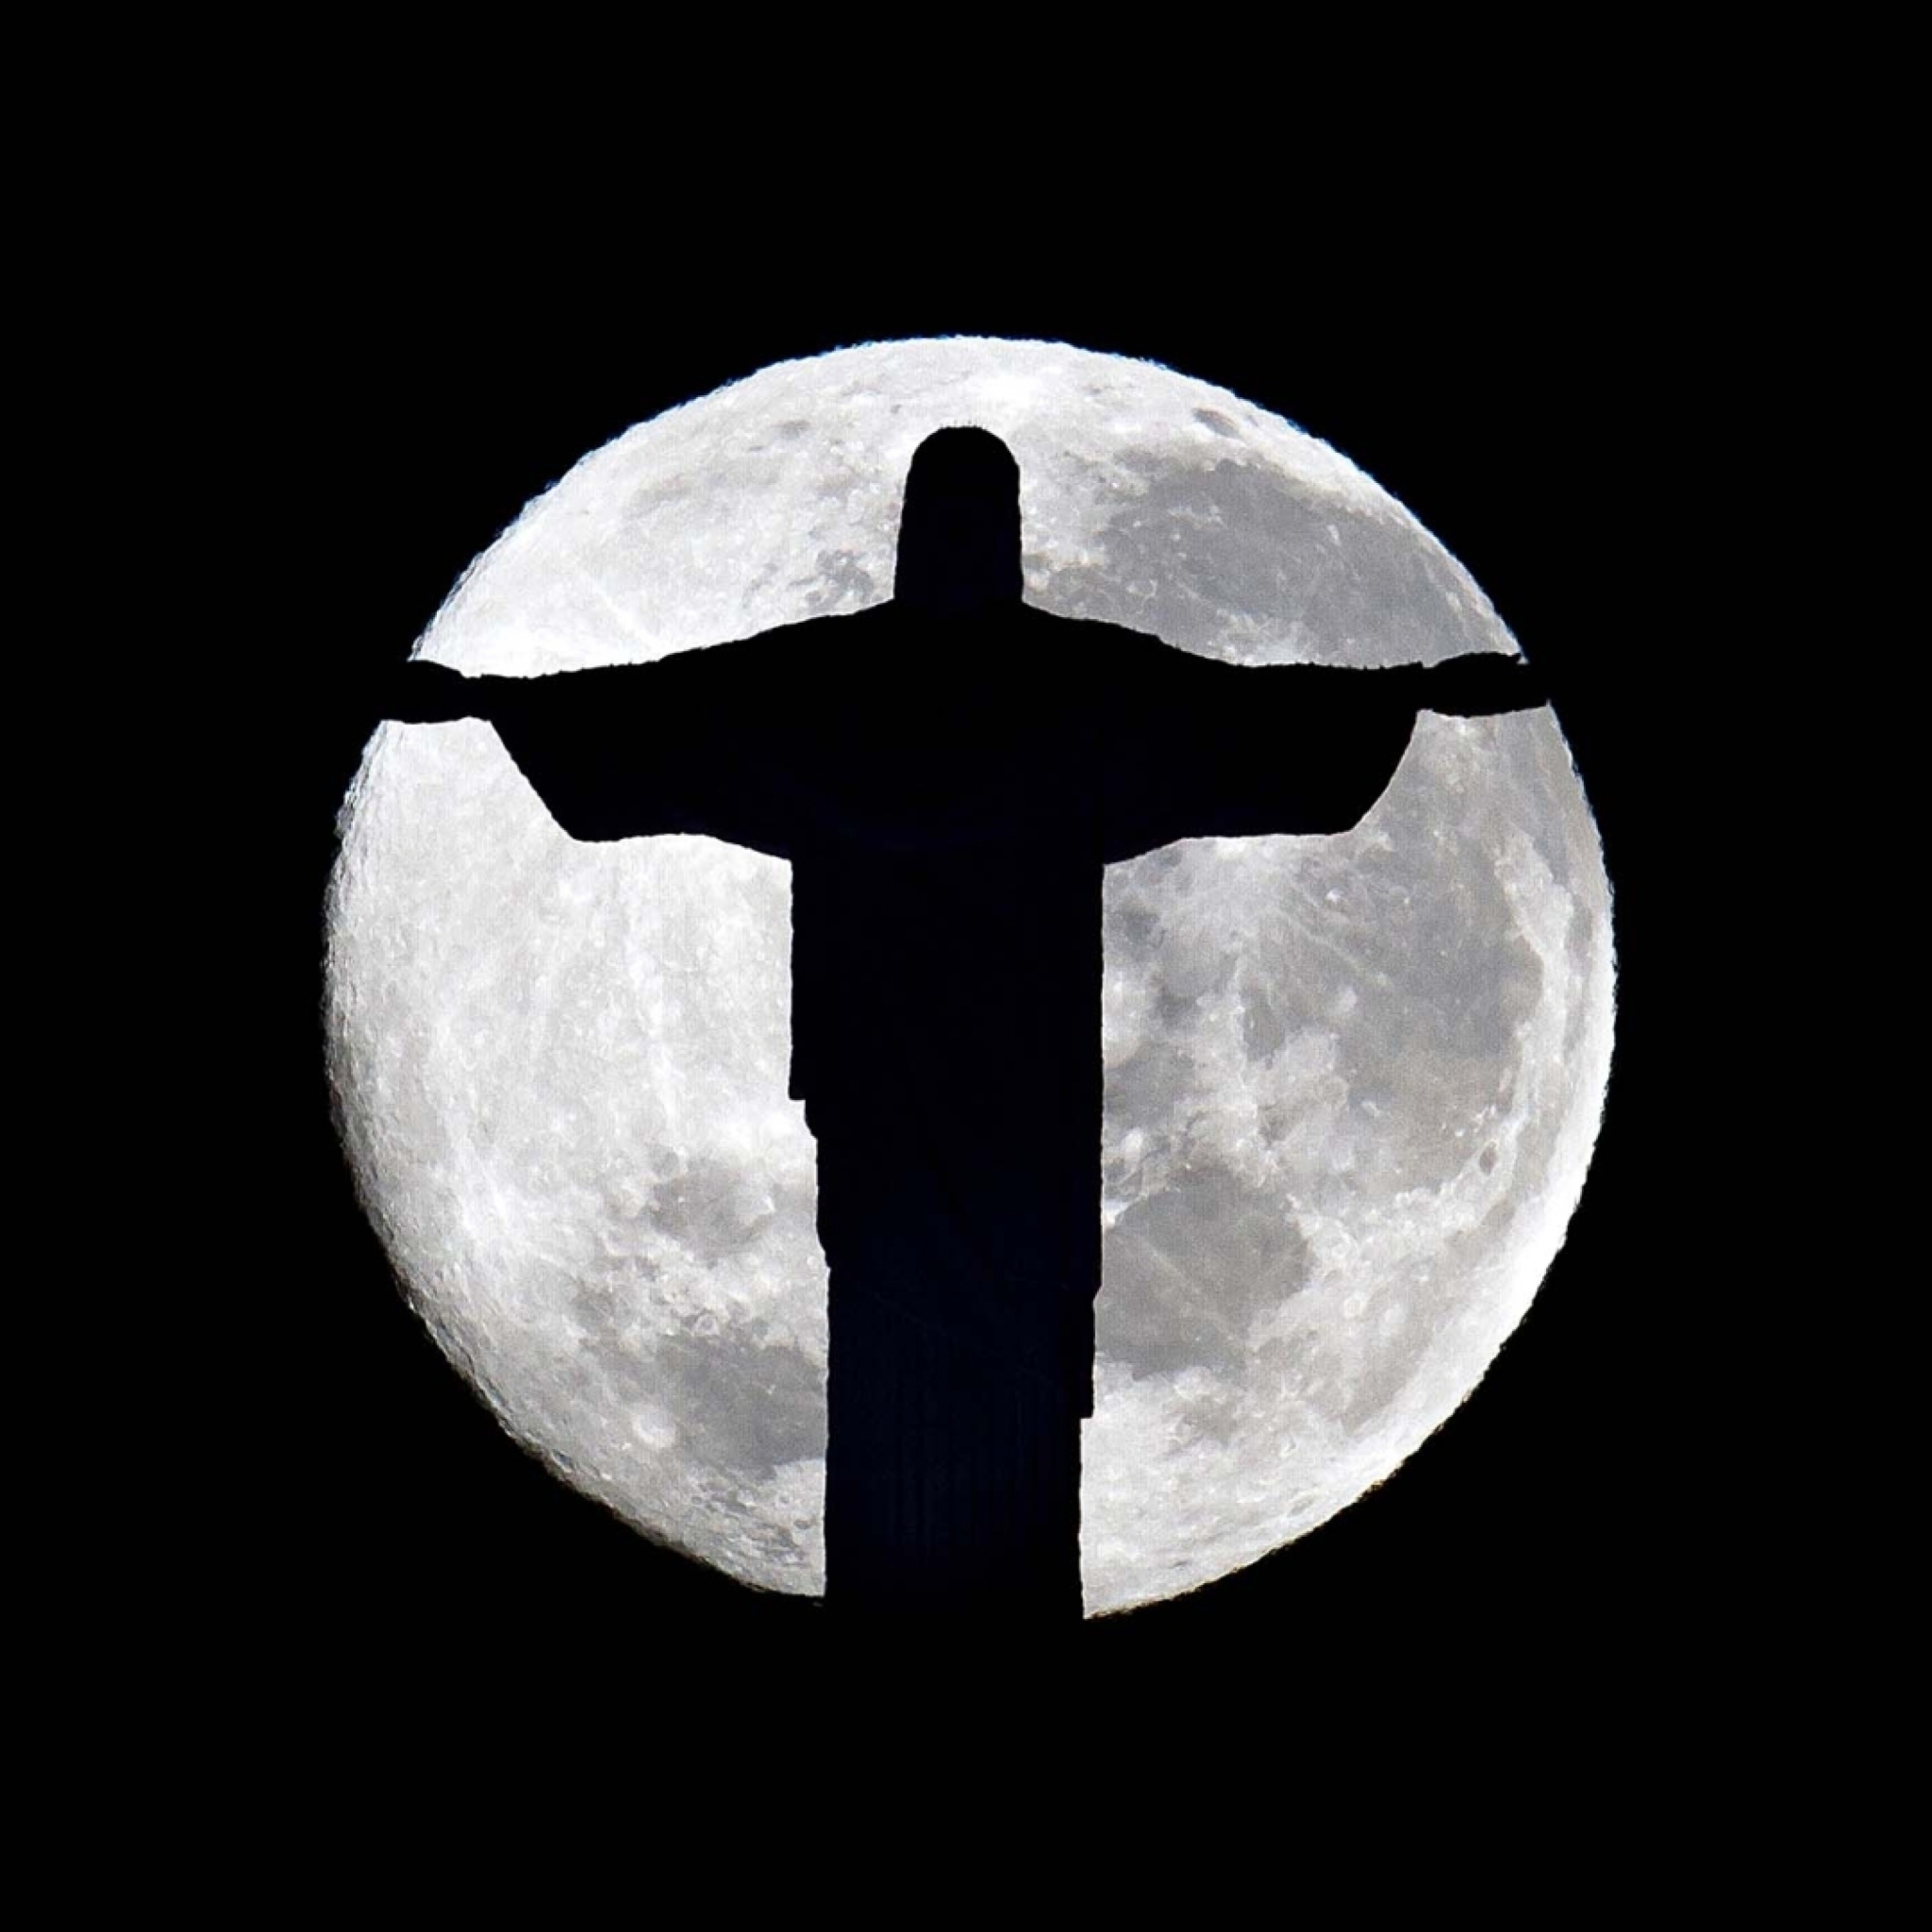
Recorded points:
(783, 644)
(1097, 635)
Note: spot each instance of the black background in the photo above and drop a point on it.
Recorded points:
(1553, 1543)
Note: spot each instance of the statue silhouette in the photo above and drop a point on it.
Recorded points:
(948, 775)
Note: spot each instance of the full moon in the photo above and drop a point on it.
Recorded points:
(1353, 1083)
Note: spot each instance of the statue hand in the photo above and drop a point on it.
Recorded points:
(420, 692)
(1481, 685)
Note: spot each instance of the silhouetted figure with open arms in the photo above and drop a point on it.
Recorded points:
(949, 774)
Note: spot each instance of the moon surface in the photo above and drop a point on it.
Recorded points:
(1353, 1083)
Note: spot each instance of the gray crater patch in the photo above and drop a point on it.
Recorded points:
(1149, 1084)
(1187, 1271)
(1264, 1026)
(840, 581)
(713, 1210)
(741, 1404)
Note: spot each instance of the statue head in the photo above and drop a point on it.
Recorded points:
(959, 530)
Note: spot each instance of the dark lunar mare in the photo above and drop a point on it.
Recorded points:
(948, 775)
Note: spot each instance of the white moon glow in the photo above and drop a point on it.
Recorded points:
(1353, 1083)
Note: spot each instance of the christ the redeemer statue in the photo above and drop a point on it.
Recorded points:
(949, 774)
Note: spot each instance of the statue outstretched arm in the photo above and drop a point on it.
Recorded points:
(1235, 751)
(625, 751)
(1480, 685)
